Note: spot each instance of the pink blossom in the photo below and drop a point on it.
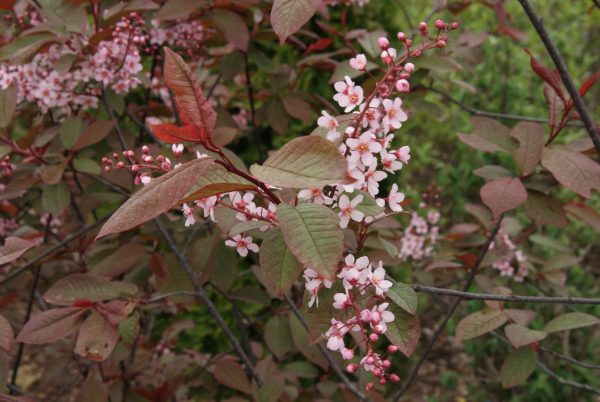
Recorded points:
(330, 123)
(403, 154)
(189, 215)
(395, 199)
(349, 211)
(316, 195)
(403, 85)
(378, 280)
(394, 115)
(363, 148)
(359, 62)
(389, 161)
(341, 301)
(349, 96)
(242, 244)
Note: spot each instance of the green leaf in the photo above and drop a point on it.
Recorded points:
(279, 266)
(404, 331)
(404, 297)
(312, 233)
(503, 195)
(368, 206)
(55, 198)
(7, 337)
(278, 336)
(70, 130)
(88, 287)
(519, 336)
(545, 209)
(517, 367)
(8, 104)
(157, 197)
(479, 323)
(572, 169)
(531, 143)
(13, 248)
(86, 165)
(51, 325)
(549, 242)
(232, 26)
(288, 16)
(388, 247)
(305, 162)
(97, 338)
(569, 321)
(231, 374)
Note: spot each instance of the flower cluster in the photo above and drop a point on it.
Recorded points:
(188, 35)
(66, 78)
(510, 257)
(420, 236)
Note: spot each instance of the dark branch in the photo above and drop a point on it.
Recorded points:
(413, 374)
(505, 298)
(588, 122)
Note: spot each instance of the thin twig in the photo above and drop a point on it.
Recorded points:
(478, 112)
(588, 122)
(334, 365)
(112, 116)
(505, 298)
(250, 89)
(564, 381)
(201, 294)
(570, 359)
(413, 374)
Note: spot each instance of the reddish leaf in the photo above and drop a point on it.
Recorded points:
(75, 287)
(288, 16)
(572, 169)
(13, 248)
(172, 134)
(157, 197)
(503, 195)
(531, 143)
(115, 311)
(97, 338)
(120, 261)
(404, 331)
(550, 76)
(479, 323)
(555, 105)
(193, 107)
(231, 374)
(317, 46)
(519, 335)
(232, 26)
(93, 133)
(586, 214)
(544, 209)
(51, 325)
(585, 87)
(158, 266)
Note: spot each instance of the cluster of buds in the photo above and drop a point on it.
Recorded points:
(6, 167)
(142, 165)
(510, 256)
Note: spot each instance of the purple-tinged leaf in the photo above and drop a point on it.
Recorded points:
(517, 367)
(7, 337)
(479, 323)
(503, 195)
(404, 331)
(531, 143)
(14, 247)
(519, 335)
(569, 321)
(288, 16)
(572, 169)
(92, 288)
(51, 325)
(97, 338)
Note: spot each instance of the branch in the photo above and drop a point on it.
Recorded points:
(413, 374)
(564, 381)
(505, 298)
(201, 294)
(250, 88)
(51, 250)
(570, 359)
(588, 122)
(334, 365)
(478, 112)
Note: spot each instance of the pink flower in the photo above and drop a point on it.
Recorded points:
(177, 149)
(359, 62)
(403, 154)
(208, 206)
(378, 280)
(389, 55)
(348, 210)
(329, 122)
(314, 282)
(380, 317)
(373, 177)
(394, 115)
(341, 301)
(316, 195)
(189, 215)
(395, 199)
(242, 244)
(349, 95)
(363, 148)
(390, 162)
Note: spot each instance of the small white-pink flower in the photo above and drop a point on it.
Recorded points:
(395, 199)
(359, 62)
(348, 210)
(242, 244)
(394, 115)
(363, 148)
(330, 123)
(349, 95)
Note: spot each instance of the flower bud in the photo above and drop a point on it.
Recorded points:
(145, 149)
(382, 381)
(383, 43)
(351, 368)
(386, 363)
(369, 386)
(409, 67)
(394, 378)
(401, 36)
(392, 349)
(423, 26)
(373, 337)
(402, 85)
(454, 25)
